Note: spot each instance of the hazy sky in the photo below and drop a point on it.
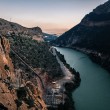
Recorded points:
(53, 16)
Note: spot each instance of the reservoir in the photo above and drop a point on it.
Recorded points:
(94, 90)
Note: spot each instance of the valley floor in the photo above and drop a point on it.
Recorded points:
(67, 74)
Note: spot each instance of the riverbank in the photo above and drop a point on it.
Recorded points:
(94, 90)
(100, 58)
(69, 82)
(97, 57)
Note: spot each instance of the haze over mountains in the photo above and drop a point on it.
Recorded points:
(91, 35)
(93, 32)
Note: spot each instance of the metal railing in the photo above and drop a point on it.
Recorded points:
(29, 67)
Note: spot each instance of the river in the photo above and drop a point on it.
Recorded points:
(94, 90)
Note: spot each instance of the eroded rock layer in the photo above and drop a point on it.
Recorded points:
(13, 96)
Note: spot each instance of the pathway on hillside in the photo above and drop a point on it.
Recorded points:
(67, 74)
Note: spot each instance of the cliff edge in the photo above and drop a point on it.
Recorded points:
(28, 96)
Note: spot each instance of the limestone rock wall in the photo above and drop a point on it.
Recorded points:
(26, 97)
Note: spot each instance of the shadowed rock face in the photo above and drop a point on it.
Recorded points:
(26, 97)
(99, 17)
(92, 33)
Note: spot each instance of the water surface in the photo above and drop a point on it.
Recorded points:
(94, 91)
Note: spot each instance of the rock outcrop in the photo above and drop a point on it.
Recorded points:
(14, 97)
(10, 28)
(6, 76)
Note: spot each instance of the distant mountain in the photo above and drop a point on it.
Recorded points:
(7, 27)
(91, 35)
(49, 37)
(93, 32)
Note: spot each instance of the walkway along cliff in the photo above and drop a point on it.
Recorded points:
(30, 93)
(65, 85)
(14, 95)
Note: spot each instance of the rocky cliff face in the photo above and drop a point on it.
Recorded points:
(13, 96)
(6, 72)
(10, 28)
(99, 17)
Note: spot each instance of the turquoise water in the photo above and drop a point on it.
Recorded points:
(94, 90)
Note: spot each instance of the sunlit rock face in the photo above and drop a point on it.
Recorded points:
(6, 71)
(6, 65)
(26, 97)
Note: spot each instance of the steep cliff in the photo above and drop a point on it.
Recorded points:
(7, 76)
(16, 92)
(91, 35)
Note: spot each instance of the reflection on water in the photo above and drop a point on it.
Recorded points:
(94, 90)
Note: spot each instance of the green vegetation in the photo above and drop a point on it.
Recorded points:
(34, 53)
(72, 70)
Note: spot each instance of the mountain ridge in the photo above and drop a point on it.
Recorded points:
(7, 27)
(90, 30)
(91, 35)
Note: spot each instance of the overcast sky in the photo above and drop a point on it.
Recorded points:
(53, 16)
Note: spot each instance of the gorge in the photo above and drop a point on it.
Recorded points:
(91, 35)
(43, 71)
(94, 90)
